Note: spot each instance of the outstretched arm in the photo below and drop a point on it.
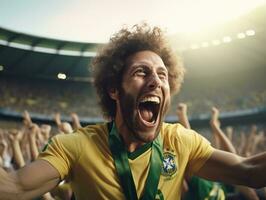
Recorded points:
(233, 169)
(34, 129)
(28, 182)
(226, 145)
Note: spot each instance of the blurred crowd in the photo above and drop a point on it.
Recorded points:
(248, 144)
(22, 145)
(48, 96)
(19, 146)
(227, 97)
(45, 97)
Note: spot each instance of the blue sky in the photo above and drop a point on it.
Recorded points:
(96, 20)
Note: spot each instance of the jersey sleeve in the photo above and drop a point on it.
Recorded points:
(62, 152)
(200, 152)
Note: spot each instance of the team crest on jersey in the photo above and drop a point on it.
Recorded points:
(169, 167)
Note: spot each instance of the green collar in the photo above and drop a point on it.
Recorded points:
(133, 155)
(121, 156)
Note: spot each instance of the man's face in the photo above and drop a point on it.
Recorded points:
(145, 95)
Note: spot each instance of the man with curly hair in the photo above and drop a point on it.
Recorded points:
(135, 155)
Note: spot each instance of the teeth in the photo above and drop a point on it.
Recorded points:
(150, 99)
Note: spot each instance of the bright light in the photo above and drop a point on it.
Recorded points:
(194, 46)
(216, 42)
(61, 76)
(250, 32)
(174, 15)
(3, 42)
(88, 54)
(197, 13)
(1, 67)
(19, 46)
(204, 44)
(44, 50)
(241, 35)
(227, 39)
(69, 53)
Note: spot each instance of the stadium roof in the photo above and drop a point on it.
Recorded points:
(33, 56)
(33, 41)
(25, 55)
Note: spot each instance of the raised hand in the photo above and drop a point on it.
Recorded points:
(215, 122)
(66, 128)
(57, 119)
(45, 131)
(229, 132)
(181, 109)
(75, 121)
(26, 118)
(3, 143)
(15, 135)
(182, 114)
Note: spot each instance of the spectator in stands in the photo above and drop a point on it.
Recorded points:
(226, 145)
(75, 120)
(34, 137)
(200, 189)
(136, 155)
(197, 188)
(63, 127)
(15, 137)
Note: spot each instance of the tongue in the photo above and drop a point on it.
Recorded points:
(146, 115)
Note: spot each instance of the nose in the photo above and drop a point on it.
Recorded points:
(154, 81)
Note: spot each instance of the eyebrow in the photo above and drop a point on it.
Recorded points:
(146, 65)
(161, 68)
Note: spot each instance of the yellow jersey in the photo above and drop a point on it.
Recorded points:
(84, 157)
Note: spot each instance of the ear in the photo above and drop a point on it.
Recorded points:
(113, 93)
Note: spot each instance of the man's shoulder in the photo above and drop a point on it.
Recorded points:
(174, 128)
(85, 136)
(167, 125)
(175, 131)
(92, 130)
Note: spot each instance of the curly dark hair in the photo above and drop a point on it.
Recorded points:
(109, 63)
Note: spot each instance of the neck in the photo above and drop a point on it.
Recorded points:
(130, 142)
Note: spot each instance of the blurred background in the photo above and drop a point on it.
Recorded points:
(46, 83)
(46, 48)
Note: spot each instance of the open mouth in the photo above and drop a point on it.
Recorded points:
(148, 109)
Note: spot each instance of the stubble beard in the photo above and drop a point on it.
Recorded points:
(129, 113)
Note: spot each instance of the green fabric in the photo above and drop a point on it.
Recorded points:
(133, 155)
(122, 166)
(155, 170)
(123, 169)
(159, 195)
(201, 189)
